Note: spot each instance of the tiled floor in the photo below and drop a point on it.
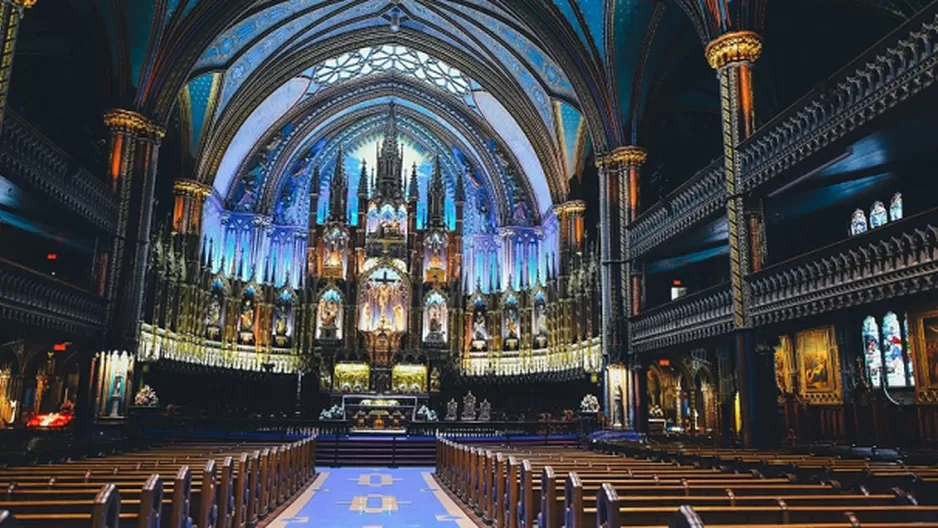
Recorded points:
(373, 498)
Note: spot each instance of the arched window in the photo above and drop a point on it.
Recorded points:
(895, 207)
(872, 356)
(878, 215)
(858, 222)
(887, 353)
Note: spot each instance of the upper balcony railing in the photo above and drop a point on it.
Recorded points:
(893, 70)
(695, 200)
(700, 315)
(900, 258)
(30, 158)
(35, 299)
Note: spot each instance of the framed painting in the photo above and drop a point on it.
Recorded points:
(924, 343)
(818, 366)
(783, 368)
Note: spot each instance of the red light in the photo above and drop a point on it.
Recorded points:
(52, 256)
(664, 362)
(60, 347)
(676, 283)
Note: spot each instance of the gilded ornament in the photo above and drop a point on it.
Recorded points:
(629, 156)
(192, 187)
(132, 122)
(23, 3)
(738, 46)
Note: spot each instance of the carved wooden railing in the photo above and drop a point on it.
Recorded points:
(31, 159)
(898, 67)
(704, 314)
(35, 299)
(900, 258)
(695, 200)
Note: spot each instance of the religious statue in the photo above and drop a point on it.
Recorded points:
(469, 408)
(478, 327)
(328, 313)
(280, 328)
(214, 312)
(398, 318)
(452, 409)
(435, 380)
(117, 395)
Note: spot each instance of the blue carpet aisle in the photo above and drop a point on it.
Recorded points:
(373, 498)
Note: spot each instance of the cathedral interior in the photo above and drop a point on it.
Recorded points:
(629, 222)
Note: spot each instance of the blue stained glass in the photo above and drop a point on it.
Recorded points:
(895, 207)
(858, 222)
(872, 356)
(878, 215)
(894, 359)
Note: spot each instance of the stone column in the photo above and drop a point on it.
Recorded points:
(732, 56)
(11, 13)
(135, 142)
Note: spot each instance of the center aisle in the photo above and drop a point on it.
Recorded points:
(373, 498)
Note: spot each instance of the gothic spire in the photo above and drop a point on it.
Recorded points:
(461, 186)
(413, 191)
(390, 161)
(363, 181)
(338, 189)
(436, 196)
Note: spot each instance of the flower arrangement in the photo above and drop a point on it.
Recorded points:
(336, 412)
(146, 397)
(589, 404)
(426, 414)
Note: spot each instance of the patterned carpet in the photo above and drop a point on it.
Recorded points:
(373, 498)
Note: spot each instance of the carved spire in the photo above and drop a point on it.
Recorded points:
(390, 161)
(338, 190)
(413, 192)
(461, 186)
(436, 196)
(363, 183)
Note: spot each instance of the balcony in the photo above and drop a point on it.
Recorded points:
(694, 201)
(898, 259)
(894, 70)
(34, 161)
(31, 298)
(705, 314)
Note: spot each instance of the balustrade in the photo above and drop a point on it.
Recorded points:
(899, 66)
(900, 258)
(33, 298)
(700, 197)
(701, 315)
(30, 158)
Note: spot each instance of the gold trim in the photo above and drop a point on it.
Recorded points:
(926, 388)
(192, 187)
(132, 122)
(832, 395)
(571, 207)
(733, 47)
(629, 156)
(26, 4)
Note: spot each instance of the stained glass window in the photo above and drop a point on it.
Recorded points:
(858, 222)
(416, 64)
(895, 207)
(894, 356)
(878, 215)
(872, 355)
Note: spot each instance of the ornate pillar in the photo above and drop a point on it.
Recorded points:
(732, 56)
(135, 142)
(11, 12)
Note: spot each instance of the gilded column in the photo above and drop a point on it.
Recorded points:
(732, 56)
(11, 13)
(135, 142)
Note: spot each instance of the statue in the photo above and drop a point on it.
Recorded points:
(451, 411)
(328, 313)
(116, 396)
(435, 380)
(485, 411)
(398, 318)
(281, 326)
(478, 327)
(247, 316)
(469, 408)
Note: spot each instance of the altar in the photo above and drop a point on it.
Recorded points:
(381, 413)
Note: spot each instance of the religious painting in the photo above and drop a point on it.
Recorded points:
(511, 329)
(383, 301)
(783, 367)
(924, 351)
(245, 195)
(819, 366)
(539, 323)
(858, 223)
(480, 333)
(215, 314)
(247, 317)
(329, 315)
(435, 319)
(283, 319)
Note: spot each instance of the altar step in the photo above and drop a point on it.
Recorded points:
(375, 451)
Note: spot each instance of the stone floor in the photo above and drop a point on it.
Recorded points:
(373, 498)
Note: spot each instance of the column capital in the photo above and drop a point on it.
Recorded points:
(192, 188)
(738, 46)
(570, 207)
(628, 156)
(133, 123)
